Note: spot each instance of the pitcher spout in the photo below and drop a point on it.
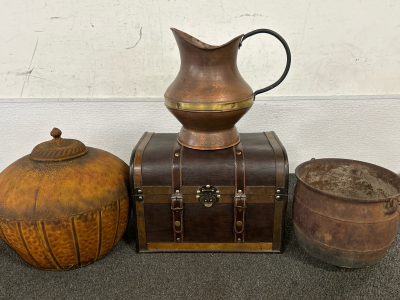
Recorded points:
(199, 44)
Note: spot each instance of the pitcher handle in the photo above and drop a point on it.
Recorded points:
(289, 58)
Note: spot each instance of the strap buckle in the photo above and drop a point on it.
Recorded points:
(177, 198)
(238, 198)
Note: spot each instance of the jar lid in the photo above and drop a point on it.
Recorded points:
(58, 149)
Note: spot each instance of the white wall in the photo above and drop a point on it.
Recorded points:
(110, 61)
(344, 127)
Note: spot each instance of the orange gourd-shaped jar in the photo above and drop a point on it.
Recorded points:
(65, 205)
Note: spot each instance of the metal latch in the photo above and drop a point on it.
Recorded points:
(208, 195)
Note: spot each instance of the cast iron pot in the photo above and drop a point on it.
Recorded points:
(345, 211)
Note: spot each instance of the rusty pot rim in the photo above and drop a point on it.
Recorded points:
(344, 160)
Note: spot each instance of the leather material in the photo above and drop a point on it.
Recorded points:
(135, 177)
(156, 161)
(214, 167)
(176, 198)
(281, 188)
(240, 169)
(204, 225)
(280, 161)
(240, 193)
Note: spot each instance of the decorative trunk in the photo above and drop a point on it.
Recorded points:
(228, 200)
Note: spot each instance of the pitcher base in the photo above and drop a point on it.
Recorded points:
(208, 140)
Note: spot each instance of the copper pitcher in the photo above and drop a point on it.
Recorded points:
(209, 95)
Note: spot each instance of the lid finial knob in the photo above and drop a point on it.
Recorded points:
(56, 133)
(58, 149)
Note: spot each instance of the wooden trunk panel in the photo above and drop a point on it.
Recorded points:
(210, 247)
(259, 222)
(215, 167)
(259, 158)
(201, 167)
(158, 218)
(209, 225)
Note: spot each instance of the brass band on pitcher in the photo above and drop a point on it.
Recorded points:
(201, 106)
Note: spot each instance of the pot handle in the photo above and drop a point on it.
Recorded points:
(392, 206)
(289, 58)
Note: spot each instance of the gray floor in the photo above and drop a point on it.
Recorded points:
(124, 274)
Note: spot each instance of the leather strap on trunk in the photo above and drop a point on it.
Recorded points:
(240, 194)
(137, 189)
(281, 189)
(280, 166)
(176, 198)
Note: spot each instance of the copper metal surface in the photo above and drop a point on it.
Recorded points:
(208, 130)
(66, 214)
(344, 231)
(208, 95)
